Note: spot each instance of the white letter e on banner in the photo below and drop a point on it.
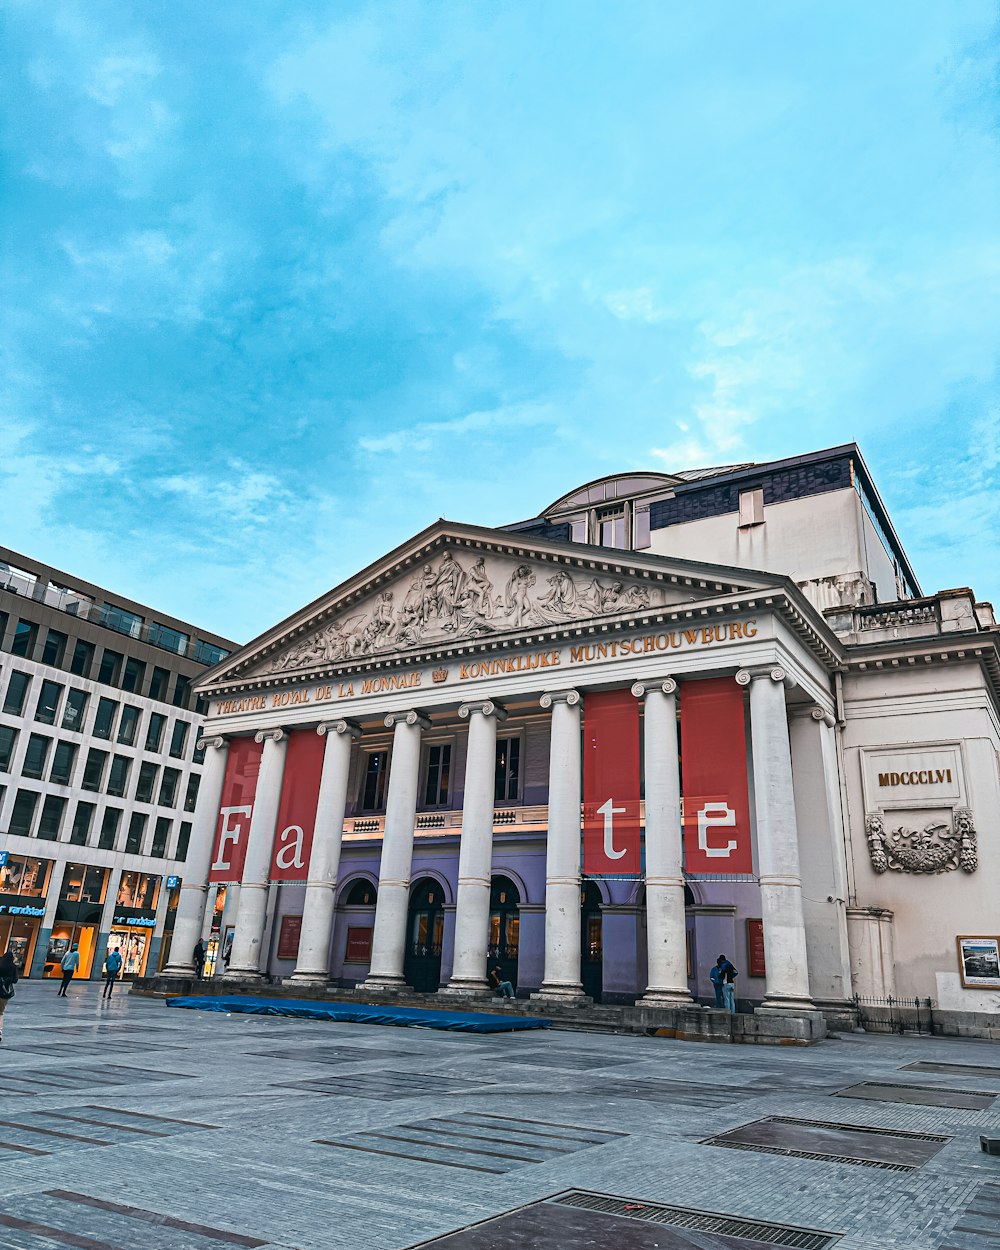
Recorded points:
(716, 815)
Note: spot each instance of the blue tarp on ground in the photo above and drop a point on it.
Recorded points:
(362, 1013)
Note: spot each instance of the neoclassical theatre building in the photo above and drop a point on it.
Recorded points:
(673, 716)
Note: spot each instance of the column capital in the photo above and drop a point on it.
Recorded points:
(488, 707)
(775, 672)
(572, 697)
(347, 727)
(666, 684)
(270, 735)
(216, 741)
(413, 717)
(821, 714)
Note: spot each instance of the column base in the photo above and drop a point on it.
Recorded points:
(666, 998)
(466, 987)
(567, 995)
(787, 1007)
(308, 978)
(252, 975)
(178, 970)
(385, 984)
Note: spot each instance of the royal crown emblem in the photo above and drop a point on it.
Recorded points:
(439, 674)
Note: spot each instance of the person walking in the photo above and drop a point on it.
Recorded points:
(112, 970)
(8, 979)
(69, 964)
(729, 975)
(198, 958)
(715, 976)
(497, 983)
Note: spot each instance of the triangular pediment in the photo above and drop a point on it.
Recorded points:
(458, 586)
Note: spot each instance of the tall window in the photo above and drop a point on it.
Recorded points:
(75, 710)
(182, 688)
(48, 702)
(83, 818)
(136, 829)
(51, 817)
(109, 828)
(147, 781)
(63, 758)
(191, 797)
(183, 840)
(83, 658)
(178, 739)
(8, 740)
(17, 688)
(161, 832)
(154, 734)
(376, 774)
(93, 772)
(612, 528)
(438, 775)
(111, 667)
(508, 770)
(168, 787)
(132, 677)
(54, 650)
(158, 684)
(104, 721)
(127, 725)
(23, 642)
(118, 776)
(35, 757)
(23, 812)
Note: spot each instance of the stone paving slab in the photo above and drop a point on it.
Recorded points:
(228, 1151)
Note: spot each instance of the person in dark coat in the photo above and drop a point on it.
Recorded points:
(198, 958)
(729, 975)
(112, 971)
(715, 976)
(8, 979)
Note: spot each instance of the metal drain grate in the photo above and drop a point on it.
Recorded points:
(788, 1152)
(701, 1221)
(860, 1128)
(894, 1150)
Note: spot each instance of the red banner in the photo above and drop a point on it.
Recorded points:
(714, 778)
(293, 834)
(611, 824)
(233, 826)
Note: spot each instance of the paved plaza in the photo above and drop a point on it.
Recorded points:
(130, 1125)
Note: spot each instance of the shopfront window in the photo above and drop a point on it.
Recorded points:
(78, 917)
(139, 889)
(23, 882)
(25, 875)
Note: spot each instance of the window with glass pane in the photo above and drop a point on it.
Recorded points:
(8, 740)
(109, 828)
(132, 677)
(376, 771)
(23, 642)
(438, 773)
(167, 638)
(63, 758)
(54, 651)
(120, 620)
(146, 783)
(118, 776)
(183, 840)
(508, 770)
(93, 771)
(191, 797)
(17, 688)
(75, 710)
(104, 720)
(168, 787)
(35, 757)
(138, 889)
(3, 794)
(111, 667)
(23, 812)
(83, 658)
(83, 818)
(25, 875)
(154, 734)
(161, 832)
(136, 829)
(83, 884)
(51, 817)
(182, 689)
(4, 618)
(198, 754)
(128, 724)
(48, 702)
(178, 739)
(208, 652)
(158, 683)
(611, 527)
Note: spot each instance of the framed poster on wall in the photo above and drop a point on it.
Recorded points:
(755, 948)
(979, 962)
(359, 945)
(288, 937)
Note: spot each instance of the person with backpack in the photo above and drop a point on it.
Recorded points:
(715, 976)
(8, 979)
(729, 975)
(69, 964)
(112, 968)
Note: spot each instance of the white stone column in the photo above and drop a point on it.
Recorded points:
(312, 964)
(562, 853)
(392, 908)
(194, 883)
(475, 855)
(787, 984)
(666, 928)
(251, 916)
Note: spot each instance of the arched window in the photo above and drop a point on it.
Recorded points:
(361, 894)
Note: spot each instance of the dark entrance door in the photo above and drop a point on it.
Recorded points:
(591, 942)
(505, 922)
(425, 931)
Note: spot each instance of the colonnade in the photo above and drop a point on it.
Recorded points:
(787, 980)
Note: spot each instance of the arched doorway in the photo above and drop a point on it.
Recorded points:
(505, 923)
(591, 942)
(425, 932)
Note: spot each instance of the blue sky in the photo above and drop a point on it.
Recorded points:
(284, 282)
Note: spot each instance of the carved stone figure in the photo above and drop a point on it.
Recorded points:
(448, 584)
(559, 601)
(479, 591)
(516, 601)
(935, 848)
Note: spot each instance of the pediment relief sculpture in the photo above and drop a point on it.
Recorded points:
(939, 847)
(449, 599)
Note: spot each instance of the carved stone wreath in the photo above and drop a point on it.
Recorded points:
(935, 848)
